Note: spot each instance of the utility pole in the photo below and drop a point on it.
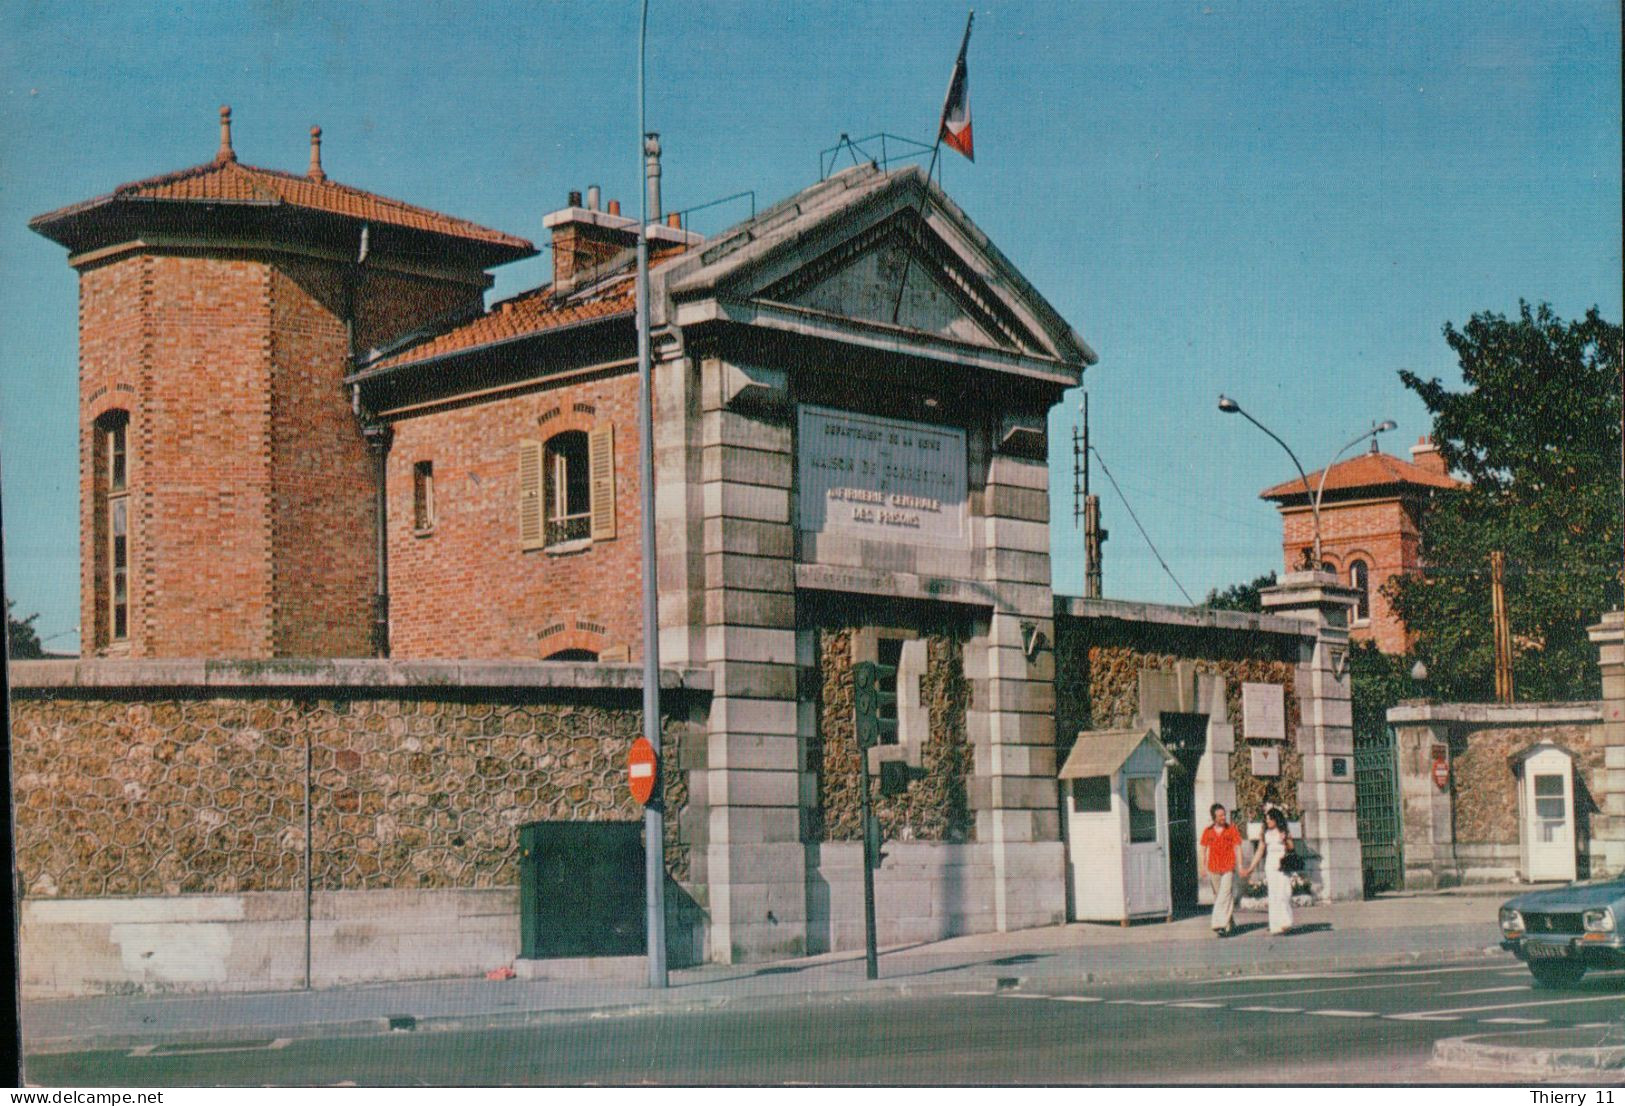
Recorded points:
(1502, 626)
(654, 822)
(1093, 535)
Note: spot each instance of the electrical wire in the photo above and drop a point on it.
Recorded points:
(1143, 534)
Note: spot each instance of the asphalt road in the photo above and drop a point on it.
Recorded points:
(1344, 1027)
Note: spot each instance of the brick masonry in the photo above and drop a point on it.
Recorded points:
(1384, 533)
(468, 588)
(250, 487)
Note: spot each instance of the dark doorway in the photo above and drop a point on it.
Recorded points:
(581, 889)
(1185, 736)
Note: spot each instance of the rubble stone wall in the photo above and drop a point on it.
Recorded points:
(151, 791)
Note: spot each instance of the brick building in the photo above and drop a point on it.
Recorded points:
(1370, 524)
(332, 498)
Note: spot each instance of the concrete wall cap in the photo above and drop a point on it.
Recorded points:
(1495, 714)
(30, 677)
(1169, 615)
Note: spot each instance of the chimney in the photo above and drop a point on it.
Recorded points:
(315, 172)
(225, 153)
(651, 173)
(1425, 455)
(586, 241)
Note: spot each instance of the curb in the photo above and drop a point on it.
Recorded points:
(855, 992)
(1477, 1053)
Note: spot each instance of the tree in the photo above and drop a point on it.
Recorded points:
(1240, 597)
(21, 637)
(1537, 432)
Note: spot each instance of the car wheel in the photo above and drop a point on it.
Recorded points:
(1556, 975)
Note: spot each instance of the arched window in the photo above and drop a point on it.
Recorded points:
(1360, 581)
(113, 525)
(572, 655)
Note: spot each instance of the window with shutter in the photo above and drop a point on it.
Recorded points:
(601, 458)
(531, 531)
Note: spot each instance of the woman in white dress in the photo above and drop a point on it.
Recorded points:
(1277, 843)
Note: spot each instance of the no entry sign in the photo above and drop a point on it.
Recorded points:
(640, 769)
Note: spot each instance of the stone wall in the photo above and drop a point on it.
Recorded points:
(936, 806)
(146, 791)
(1097, 685)
(159, 783)
(1470, 829)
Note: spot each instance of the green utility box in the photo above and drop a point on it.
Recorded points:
(581, 889)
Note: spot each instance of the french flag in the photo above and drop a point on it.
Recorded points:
(955, 127)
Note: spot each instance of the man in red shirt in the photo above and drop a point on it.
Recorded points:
(1219, 844)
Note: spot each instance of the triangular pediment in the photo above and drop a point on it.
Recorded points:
(885, 277)
(880, 250)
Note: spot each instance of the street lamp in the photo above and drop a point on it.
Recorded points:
(1231, 407)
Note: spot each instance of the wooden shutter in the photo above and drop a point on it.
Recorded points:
(601, 469)
(532, 535)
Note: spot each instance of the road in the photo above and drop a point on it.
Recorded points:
(1347, 1027)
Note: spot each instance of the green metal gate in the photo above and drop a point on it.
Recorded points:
(1377, 812)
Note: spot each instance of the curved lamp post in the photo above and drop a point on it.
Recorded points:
(1230, 406)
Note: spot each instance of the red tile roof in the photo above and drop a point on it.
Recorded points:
(532, 312)
(228, 182)
(1369, 470)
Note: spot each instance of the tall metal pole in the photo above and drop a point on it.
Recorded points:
(654, 822)
(871, 953)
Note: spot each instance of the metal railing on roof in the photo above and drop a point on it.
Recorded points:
(891, 147)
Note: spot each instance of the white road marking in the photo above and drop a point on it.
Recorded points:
(1513, 1021)
(1421, 1018)
(142, 1050)
(1428, 1015)
(1344, 1013)
(1319, 990)
(1008, 994)
(1597, 1025)
(1137, 1002)
(1077, 998)
(1290, 977)
(1199, 1005)
(1488, 990)
(978, 994)
(1272, 1009)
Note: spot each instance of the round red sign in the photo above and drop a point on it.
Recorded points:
(1441, 769)
(640, 769)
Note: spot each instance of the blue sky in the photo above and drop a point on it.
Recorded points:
(1280, 202)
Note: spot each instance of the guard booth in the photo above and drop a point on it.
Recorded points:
(1546, 813)
(1115, 786)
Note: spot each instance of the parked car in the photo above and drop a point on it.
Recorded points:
(1563, 931)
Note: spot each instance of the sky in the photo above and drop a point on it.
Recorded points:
(1283, 203)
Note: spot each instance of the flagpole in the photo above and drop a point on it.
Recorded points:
(908, 256)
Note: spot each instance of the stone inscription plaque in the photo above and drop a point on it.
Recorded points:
(880, 479)
(1263, 711)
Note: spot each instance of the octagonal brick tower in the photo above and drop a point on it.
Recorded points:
(227, 499)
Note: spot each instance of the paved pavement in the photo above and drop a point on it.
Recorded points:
(1446, 927)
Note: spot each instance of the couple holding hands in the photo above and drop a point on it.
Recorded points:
(1221, 856)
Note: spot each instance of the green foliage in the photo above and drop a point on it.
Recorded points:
(21, 637)
(1240, 597)
(1537, 432)
(1378, 681)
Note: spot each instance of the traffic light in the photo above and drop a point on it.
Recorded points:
(874, 701)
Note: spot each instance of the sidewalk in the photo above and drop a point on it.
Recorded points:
(1458, 925)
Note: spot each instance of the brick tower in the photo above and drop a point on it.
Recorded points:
(227, 499)
(1370, 523)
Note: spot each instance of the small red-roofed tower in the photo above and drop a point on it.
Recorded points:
(227, 495)
(1370, 523)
